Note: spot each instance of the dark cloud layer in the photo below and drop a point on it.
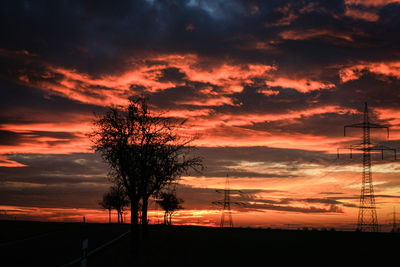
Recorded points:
(51, 164)
(102, 39)
(102, 34)
(54, 181)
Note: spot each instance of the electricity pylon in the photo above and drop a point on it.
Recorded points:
(395, 228)
(227, 204)
(367, 218)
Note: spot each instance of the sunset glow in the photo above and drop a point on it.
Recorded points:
(266, 87)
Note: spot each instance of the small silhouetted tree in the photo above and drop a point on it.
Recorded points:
(170, 203)
(106, 203)
(116, 199)
(119, 200)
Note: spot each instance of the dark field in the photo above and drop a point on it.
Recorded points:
(54, 244)
(50, 244)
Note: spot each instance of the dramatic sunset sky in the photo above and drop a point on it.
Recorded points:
(267, 86)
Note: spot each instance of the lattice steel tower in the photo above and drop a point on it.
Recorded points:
(226, 211)
(394, 223)
(367, 218)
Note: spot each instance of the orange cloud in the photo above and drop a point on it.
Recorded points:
(248, 119)
(291, 13)
(184, 113)
(247, 137)
(227, 130)
(209, 101)
(259, 45)
(313, 33)
(114, 89)
(5, 162)
(109, 89)
(45, 146)
(382, 68)
(32, 143)
(268, 92)
(393, 116)
(214, 129)
(230, 77)
(370, 2)
(361, 14)
(301, 85)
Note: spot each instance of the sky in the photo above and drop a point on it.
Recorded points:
(266, 85)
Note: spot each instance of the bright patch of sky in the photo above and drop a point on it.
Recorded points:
(218, 9)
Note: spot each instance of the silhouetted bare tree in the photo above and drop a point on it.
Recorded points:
(143, 149)
(106, 203)
(169, 203)
(119, 199)
(116, 199)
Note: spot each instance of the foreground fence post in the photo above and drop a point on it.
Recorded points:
(85, 244)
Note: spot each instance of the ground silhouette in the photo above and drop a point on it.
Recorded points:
(211, 246)
(55, 244)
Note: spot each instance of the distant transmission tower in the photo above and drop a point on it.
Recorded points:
(227, 204)
(367, 218)
(394, 223)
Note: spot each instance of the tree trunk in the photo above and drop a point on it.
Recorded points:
(109, 215)
(145, 202)
(170, 216)
(134, 222)
(118, 215)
